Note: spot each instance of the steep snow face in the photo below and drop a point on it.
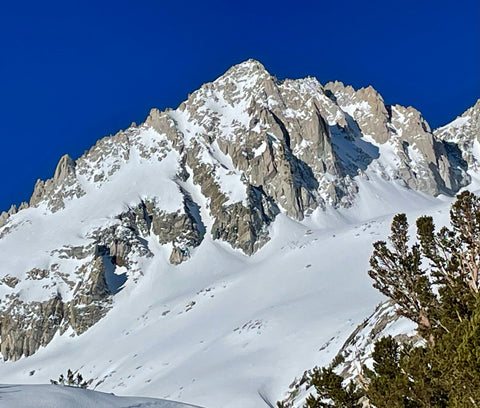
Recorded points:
(148, 246)
(35, 396)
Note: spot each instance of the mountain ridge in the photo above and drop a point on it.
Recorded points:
(372, 99)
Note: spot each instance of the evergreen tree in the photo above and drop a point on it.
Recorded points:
(388, 385)
(398, 274)
(72, 380)
(330, 391)
(70, 377)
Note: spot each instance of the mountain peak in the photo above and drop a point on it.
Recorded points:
(249, 65)
(246, 74)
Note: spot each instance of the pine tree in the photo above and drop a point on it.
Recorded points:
(330, 391)
(454, 256)
(398, 274)
(388, 385)
(456, 360)
(72, 380)
(70, 377)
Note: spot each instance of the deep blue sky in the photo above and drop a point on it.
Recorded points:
(75, 71)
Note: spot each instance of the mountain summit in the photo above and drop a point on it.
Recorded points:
(170, 210)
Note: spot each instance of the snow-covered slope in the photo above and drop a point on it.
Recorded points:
(50, 396)
(223, 328)
(215, 252)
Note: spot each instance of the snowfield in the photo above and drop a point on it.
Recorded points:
(224, 330)
(56, 396)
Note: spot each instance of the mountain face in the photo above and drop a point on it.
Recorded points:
(238, 154)
(463, 135)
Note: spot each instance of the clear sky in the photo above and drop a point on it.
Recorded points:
(75, 71)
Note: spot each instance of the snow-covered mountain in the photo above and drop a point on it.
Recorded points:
(216, 251)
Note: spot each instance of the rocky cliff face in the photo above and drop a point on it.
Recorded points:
(238, 152)
(462, 136)
(422, 161)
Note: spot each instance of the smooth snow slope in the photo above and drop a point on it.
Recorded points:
(57, 396)
(224, 330)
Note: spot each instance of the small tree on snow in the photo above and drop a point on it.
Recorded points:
(72, 380)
